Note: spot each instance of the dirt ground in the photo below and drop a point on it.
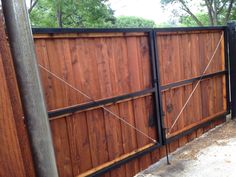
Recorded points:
(211, 155)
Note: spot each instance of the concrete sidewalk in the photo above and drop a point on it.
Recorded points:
(211, 155)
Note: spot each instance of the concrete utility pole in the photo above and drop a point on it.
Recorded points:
(24, 58)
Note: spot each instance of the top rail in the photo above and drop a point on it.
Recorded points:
(111, 30)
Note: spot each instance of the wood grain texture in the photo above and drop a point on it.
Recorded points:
(105, 66)
(189, 56)
(11, 163)
(15, 101)
(101, 67)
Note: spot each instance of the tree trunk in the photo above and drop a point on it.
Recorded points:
(228, 11)
(32, 5)
(59, 14)
(210, 12)
(210, 17)
(59, 18)
(214, 11)
(186, 9)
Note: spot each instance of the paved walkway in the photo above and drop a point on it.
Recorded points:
(211, 155)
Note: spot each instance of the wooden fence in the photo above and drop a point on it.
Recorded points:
(102, 66)
(15, 152)
(108, 65)
(180, 70)
(142, 76)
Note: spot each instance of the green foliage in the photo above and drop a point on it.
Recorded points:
(233, 15)
(133, 22)
(72, 13)
(188, 20)
(213, 12)
(82, 14)
(95, 13)
(43, 14)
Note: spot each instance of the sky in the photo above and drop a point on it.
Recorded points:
(149, 9)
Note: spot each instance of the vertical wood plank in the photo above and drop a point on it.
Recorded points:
(58, 127)
(61, 147)
(112, 124)
(15, 101)
(129, 136)
(77, 124)
(10, 148)
(97, 137)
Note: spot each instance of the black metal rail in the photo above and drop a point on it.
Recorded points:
(152, 148)
(191, 130)
(189, 29)
(87, 30)
(82, 107)
(126, 160)
(121, 30)
(157, 101)
(161, 113)
(188, 81)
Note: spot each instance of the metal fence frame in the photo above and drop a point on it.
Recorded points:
(225, 72)
(156, 88)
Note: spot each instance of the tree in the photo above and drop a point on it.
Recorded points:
(71, 13)
(187, 20)
(32, 5)
(43, 14)
(133, 22)
(218, 11)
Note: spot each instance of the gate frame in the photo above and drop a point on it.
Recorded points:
(155, 90)
(225, 72)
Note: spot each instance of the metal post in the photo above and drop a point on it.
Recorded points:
(155, 83)
(24, 58)
(227, 70)
(232, 59)
(161, 113)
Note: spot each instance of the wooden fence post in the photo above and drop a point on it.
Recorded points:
(232, 60)
(24, 58)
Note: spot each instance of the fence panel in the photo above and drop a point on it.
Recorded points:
(103, 66)
(117, 69)
(183, 57)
